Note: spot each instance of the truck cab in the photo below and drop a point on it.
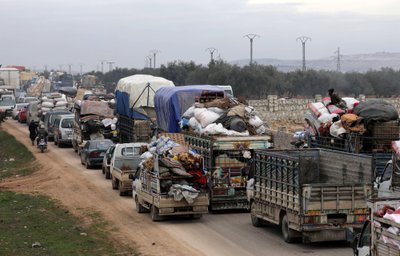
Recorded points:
(388, 183)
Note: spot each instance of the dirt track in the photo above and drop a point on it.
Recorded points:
(63, 178)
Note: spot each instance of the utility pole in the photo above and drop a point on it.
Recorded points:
(149, 57)
(251, 37)
(102, 63)
(45, 68)
(81, 68)
(211, 50)
(110, 65)
(338, 68)
(154, 52)
(303, 40)
(69, 68)
(60, 67)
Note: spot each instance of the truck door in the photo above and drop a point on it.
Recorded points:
(385, 180)
(363, 241)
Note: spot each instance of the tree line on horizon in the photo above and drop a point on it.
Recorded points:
(258, 81)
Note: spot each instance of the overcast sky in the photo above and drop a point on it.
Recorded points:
(56, 33)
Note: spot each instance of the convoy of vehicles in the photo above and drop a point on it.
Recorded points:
(16, 109)
(49, 119)
(63, 129)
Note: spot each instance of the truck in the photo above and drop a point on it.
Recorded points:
(134, 106)
(88, 117)
(150, 194)
(379, 236)
(226, 159)
(313, 194)
(376, 142)
(125, 161)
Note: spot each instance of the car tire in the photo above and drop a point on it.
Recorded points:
(102, 170)
(254, 219)
(88, 166)
(121, 191)
(114, 183)
(154, 213)
(55, 141)
(107, 174)
(139, 207)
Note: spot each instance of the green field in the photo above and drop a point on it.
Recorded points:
(15, 158)
(26, 220)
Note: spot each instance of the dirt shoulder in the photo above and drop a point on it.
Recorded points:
(63, 179)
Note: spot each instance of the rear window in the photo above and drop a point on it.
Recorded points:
(67, 123)
(102, 145)
(130, 151)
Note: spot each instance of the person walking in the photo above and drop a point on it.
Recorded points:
(33, 131)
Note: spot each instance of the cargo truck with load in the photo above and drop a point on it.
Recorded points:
(313, 194)
(380, 234)
(134, 106)
(224, 141)
(369, 128)
(166, 191)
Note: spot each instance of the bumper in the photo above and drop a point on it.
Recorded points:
(95, 161)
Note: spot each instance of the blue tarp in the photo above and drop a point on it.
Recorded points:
(123, 108)
(171, 102)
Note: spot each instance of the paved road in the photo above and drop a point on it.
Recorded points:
(214, 234)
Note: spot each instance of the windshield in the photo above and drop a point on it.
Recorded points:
(67, 123)
(7, 102)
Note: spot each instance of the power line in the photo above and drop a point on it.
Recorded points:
(251, 37)
(102, 63)
(212, 50)
(303, 40)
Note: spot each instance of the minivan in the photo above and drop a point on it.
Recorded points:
(63, 129)
(48, 121)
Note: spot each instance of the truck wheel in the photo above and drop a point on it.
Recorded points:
(288, 234)
(254, 219)
(154, 213)
(139, 207)
(102, 170)
(107, 174)
(88, 166)
(114, 183)
(121, 191)
(55, 141)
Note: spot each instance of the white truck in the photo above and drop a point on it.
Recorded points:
(380, 234)
(152, 192)
(125, 161)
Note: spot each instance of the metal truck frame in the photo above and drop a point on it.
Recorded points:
(315, 194)
(227, 195)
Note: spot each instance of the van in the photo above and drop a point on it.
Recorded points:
(48, 121)
(63, 129)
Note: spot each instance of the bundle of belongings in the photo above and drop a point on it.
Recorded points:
(367, 118)
(179, 169)
(222, 116)
(391, 214)
(52, 101)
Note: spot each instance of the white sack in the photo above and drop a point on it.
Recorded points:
(44, 109)
(350, 102)
(107, 122)
(325, 118)
(261, 130)
(189, 112)
(255, 121)
(205, 117)
(337, 129)
(47, 104)
(61, 103)
(219, 111)
(195, 125)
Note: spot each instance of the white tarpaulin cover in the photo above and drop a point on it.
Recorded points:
(137, 84)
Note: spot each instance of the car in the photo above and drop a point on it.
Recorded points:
(16, 109)
(22, 115)
(27, 99)
(106, 162)
(6, 105)
(63, 129)
(48, 121)
(93, 152)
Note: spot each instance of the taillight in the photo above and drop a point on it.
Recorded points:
(361, 218)
(94, 154)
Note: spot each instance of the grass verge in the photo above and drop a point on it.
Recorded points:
(36, 225)
(15, 158)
